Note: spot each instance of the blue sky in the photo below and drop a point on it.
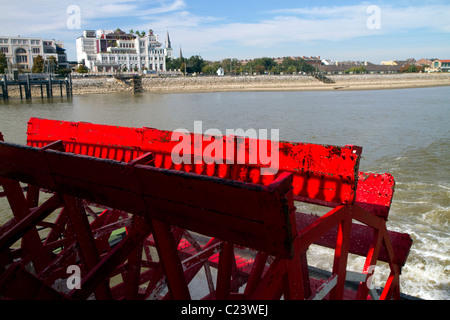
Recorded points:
(246, 29)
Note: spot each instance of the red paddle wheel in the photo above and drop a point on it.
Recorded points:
(103, 212)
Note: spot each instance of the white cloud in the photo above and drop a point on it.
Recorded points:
(165, 8)
(324, 12)
(207, 33)
(114, 10)
(436, 17)
(274, 31)
(40, 16)
(309, 26)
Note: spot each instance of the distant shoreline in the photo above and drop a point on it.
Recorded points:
(198, 84)
(294, 83)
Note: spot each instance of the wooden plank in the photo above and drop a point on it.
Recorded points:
(20, 163)
(325, 288)
(168, 253)
(271, 285)
(13, 234)
(31, 241)
(102, 270)
(226, 262)
(323, 173)
(88, 251)
(190, 201)
(340, 257)
(361, 239)
(375, 193)
(16, 278)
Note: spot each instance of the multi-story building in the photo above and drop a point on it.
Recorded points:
(107, 50)
(21, 51)
(439, 65)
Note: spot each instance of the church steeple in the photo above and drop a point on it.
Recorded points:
(181, 53)
(168, 43)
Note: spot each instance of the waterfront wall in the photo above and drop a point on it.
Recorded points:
(92, 85)
(269, 83)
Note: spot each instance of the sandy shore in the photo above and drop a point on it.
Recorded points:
(188, 84)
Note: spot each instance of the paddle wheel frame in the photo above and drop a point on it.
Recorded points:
(109, 201)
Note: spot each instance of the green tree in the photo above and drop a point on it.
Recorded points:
(259, 68)
(208, 69)
(291, 65)
(171, 64)
(38, 65)
(307, 68)
(266, 63)
(356, 69)
(3, 62)
(231, 66)
(226, 65)
(51, 64)
(411, 68)
(215, 66)
(63, 72)
(288, 63)
(292, 69)
(275, 69)
(175, 64)
(261, 65)
(247, 69)
(82, 69)
(195, 64)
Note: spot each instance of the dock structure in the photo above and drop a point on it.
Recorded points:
(134, 80)
(25, 86)
(321, 77)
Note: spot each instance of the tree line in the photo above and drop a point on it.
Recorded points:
(39, 65)
(196, 64)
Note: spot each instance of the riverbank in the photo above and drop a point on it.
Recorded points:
(294, 83)
(92, 85)
(264, 83)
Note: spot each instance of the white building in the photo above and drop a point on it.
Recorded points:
(107, 50)
(21, 51)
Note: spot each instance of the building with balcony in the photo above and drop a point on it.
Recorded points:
(439, 66)
(107, 51)
(20, 52)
